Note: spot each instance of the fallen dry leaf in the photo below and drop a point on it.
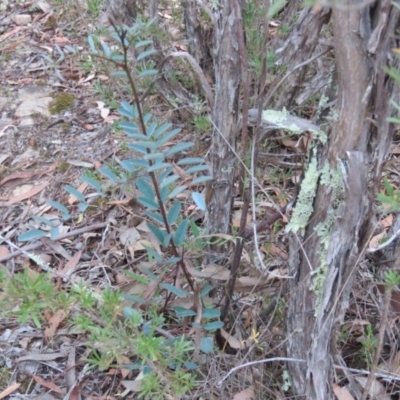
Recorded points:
(232, 341)
(71, 264)
(17, 175)
(9, 390)
(49, 385)
(342, 393)
(247, 394)
(34, 191)
(54, 323)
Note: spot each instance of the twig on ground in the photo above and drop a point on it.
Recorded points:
(36, 245)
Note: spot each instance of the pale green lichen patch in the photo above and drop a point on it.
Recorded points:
(305, 201)
(274, 116)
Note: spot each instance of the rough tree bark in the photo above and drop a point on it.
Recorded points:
(224, 116)
(195, 34)
(324, 255)
(297, 49)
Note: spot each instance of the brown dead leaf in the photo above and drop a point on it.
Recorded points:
(212, 271)
(34, 191)
(6, 392)
(53, 324)
(4, 250)
(232, 341)
(71, 264)
(49, 385)
(376, 240)
(342, 393)
(17, 175)
(377, 390)
(387, 222)
(247, 394)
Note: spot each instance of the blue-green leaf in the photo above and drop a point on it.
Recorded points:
(54, 233)
(173, 260)
(31, 235)
(130, 313)
(178, 147)
(150, 130)
(128, 165)
(207, 344)
(151, 204)
(82, 207)
(164, 193)
(109, 174)
(190, 160)
(147, 118)
(211, 313)
(137, 277)
(75, 193)
(134, 298)
(168, 136)
(106, 49)
(92, 183)
(126, 113)
(149, 273)
(197, 168)
(156, 216)
(145, 54)
(212, 326)
(139, 163)
(176, 191)
(139, 148)
(190, 365)
(129, 125)
(91, 45)
(147, 144)
(202, 179)
(45, 221)
(180, 234)
(58, 206)
(117, 57)
(175, 290)
(158, 166)
(167, 239)
(148, 72)
(127, 106)
(154, 156)
(145, 188)
(71, 49)
(162, 129)
(198, 198)
(182, 312)
(174, 211)
(153, 253)
(204, 292)
(157, 232)
(143, 43)
(169, 180)
(119, 74)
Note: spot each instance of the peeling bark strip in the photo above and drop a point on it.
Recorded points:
(224, 116)
(325, 257)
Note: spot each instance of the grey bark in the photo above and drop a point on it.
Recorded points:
(195, 33)
(225, 118)
(298, 47)
(360, 145)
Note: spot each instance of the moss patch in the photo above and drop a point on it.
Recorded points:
(62, 101)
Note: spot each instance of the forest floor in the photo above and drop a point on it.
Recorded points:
(59, 121)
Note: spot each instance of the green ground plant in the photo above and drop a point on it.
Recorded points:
(116, 331)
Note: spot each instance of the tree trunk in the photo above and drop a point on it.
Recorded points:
(224, 116)
(195, 33)
(327, 244)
